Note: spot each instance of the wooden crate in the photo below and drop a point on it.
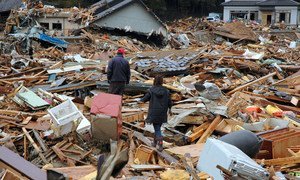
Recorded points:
(133, 117)
(144, 153)
(276, 142)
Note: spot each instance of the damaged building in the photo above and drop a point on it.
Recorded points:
(265, 11)
(58, 23)
(130, 16)
(5, 7)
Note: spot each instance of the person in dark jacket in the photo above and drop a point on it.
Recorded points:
(118, 73)
(160, 103)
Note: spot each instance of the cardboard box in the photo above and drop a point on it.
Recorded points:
(104, 127)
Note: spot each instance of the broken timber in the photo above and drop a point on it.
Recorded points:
(251, 83)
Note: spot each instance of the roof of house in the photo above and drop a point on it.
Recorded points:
(107, 7)
(240, 3)
(7, 5)
(261, 3)
(278, 3)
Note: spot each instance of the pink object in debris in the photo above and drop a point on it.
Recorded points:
(108, 104)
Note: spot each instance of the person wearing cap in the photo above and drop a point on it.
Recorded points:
(118, 73)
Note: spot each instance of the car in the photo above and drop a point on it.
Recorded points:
(213, 19)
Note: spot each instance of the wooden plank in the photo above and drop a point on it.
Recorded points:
(71, 151)
(131, 149)
(15, 113)
(251, 83)
(9, 118)
(198, 132)
(37, 149)
(71, 87)
(76, 172)
(281, 161)
(210, 129)
(86, 154)
(40, 140)
(196, 135)
(180, 151)
(59, 153)
(22, 73)
(27, 78)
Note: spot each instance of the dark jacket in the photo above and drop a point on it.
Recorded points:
(118, 70)
(160, 102)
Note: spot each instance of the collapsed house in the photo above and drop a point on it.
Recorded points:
(129, 16)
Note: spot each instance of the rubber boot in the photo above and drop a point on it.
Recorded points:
(154, 143)
(160, 144)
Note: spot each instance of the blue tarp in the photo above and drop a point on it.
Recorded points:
(54, 41)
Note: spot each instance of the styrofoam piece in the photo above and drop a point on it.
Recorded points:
(84, 126)
(66, 117)
(63, 129)
(216, 152)
(65, 113)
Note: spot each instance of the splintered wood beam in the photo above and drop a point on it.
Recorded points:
(198, 132)
(210, 129)
(251, 83)
(195, 135)
(59, 153)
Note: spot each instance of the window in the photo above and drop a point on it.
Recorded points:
(45, 25)
(282, 17)
(57, 26)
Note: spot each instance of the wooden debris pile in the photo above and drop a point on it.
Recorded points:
(216, 88)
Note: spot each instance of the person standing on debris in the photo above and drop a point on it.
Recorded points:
(160, 103)
(118, 73)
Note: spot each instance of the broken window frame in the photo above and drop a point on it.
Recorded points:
(45, 25)
(57, 28)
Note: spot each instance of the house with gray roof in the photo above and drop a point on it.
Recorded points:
(128, 15)
(264, 11)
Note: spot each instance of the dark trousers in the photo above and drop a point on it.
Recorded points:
(116, 88)
(157, 130)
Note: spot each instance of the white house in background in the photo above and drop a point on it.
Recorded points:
(264, 11)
